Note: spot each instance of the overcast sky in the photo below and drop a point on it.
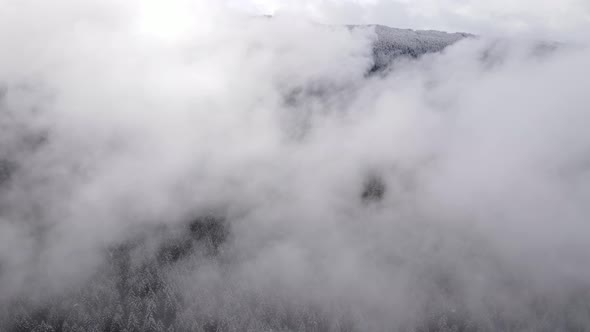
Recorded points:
(547, 17)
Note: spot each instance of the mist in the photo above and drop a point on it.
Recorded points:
(237, 172)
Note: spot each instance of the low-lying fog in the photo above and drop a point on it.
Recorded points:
(211, 170)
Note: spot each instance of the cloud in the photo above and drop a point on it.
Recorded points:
(117, 127)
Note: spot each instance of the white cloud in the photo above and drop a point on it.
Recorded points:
(119, 118)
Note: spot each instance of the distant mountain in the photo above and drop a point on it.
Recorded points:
(392, 43)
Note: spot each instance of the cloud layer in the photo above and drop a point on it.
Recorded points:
(118, 121)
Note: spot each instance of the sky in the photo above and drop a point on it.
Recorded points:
(547, 17)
